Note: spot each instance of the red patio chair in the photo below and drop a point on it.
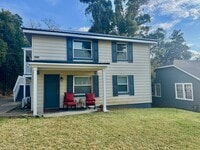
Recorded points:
(90, 100)
(69, 100)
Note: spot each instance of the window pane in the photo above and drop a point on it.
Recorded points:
(121, 47)
(82, 89)
(188, 91)
(82, 80)
(121, 51)
(82, 45)
(179, 90)
(158, 90)
(122, 88)
(121, 55)
(82, 53)
(122, 80)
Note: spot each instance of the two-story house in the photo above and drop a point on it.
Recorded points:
(115, 68)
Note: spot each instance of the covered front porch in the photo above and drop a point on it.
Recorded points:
(51, 80)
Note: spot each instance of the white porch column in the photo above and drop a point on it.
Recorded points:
(24, 61)
(104, 90)
(24, 94)
(34, 91)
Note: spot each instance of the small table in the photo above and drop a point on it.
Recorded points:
(80, 103)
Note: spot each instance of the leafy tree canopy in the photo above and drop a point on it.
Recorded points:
(11, 55)
(122, 19)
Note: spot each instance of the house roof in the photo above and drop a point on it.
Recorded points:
(190, 67)
(30, 31)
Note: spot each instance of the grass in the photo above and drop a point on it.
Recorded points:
(118, 129)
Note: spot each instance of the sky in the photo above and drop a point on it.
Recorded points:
(70, 15)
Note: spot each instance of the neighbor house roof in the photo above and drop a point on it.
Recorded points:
(31, 31)
(188, 66)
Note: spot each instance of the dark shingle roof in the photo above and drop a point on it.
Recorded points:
(28, 31)
(192, 67)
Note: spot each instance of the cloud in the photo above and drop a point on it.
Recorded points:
(84, 29)
(168, 25)
(165, 25)
(174, 8)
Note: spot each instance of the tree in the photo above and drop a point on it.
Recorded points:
(50, 24)
(166, 51)
(102, 15)
(46, 23)
(11, 54)
(125, 20)
(176, 48)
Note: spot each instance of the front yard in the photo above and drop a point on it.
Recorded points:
(118, 129)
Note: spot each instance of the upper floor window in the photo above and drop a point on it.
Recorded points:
(121, 51)
(157, 90)
(184, 91)
(82, 49)
(82, 85)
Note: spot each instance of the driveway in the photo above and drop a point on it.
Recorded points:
(7, 104)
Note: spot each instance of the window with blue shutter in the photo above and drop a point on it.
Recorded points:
(114, 52)
(96, 85)
(130, 52)
(131, 84)
(69, 49)
(122, 52)
(123, 85)
(95, 51)
(115, 87)
(70, 83)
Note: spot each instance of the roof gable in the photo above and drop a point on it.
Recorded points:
(191, 68)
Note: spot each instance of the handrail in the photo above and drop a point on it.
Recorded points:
(17, 86)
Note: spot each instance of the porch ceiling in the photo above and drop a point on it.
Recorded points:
(69, 66)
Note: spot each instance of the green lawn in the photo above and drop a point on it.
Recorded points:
(118, 129)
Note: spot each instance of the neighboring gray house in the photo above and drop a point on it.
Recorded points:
(178, 85)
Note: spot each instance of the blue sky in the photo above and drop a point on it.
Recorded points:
(69, 14)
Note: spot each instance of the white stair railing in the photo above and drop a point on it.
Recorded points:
(20, 81)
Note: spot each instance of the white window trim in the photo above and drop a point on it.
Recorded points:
(83, 49)
(125, 92)
(184, 95)
(126, 52)
(155, 90)
(80, 94)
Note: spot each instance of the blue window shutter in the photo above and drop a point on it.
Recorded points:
(96, 85)
(130, 52)
(131, 84)
(69, 49)
(114, 52)
(115, 87)
(95, 51)
(70, 83)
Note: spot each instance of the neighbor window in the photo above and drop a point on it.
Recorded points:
(157, 90)
(82, 49)
(82, 85)
(184, 91)
(122, 83)
(121, 51)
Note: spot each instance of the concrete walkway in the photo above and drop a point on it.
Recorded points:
(6, 105)
(66, 113)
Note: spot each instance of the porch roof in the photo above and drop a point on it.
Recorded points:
(79, 66)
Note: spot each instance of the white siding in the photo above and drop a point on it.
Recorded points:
(52, 48)
(48, 48)
(140, 68)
